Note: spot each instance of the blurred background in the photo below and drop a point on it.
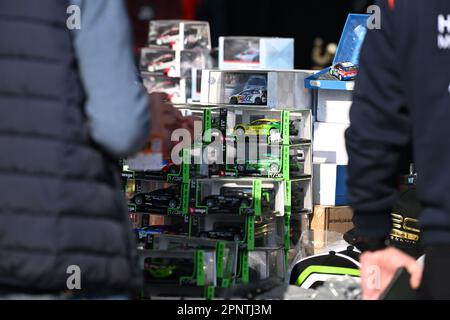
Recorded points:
(316, 25)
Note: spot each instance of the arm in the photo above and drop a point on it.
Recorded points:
(379, 131)
(117, 105)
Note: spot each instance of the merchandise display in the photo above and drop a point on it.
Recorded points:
(238, 207)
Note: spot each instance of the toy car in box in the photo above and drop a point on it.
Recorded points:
(173, 63)
(270, 126)
(256, 53)
(180, 34)
(174, 87)
(237, 196)
(274, 89)
(287, 161)
(341, 74)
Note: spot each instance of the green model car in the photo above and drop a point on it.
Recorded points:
(270, 165)
(266, 127)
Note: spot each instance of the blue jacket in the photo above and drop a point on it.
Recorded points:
(402, 98)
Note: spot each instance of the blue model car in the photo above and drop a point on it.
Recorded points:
(144, 232)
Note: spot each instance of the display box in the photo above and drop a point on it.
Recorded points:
(298, 196)
(256, 53)
(333, 106)
(174, 87)
(249, 231)
(172, 200)
(330, 184)
(180, 34)
(242, 196)
(274, 89)
(226, 253)
(348, 50)
(190, 267)
(265, 263)
(169, 225)
(270, 161)
(173, 63)
(329, 143)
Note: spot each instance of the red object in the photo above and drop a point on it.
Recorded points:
(391, 4)
(189, 9)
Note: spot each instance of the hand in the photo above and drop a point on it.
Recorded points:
(387, 262)
(165, 119)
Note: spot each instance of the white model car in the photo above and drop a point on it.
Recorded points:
(251, 96)
(249, 55)
(162, 63)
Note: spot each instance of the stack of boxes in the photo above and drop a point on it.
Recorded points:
(333, 102)
(175, 48)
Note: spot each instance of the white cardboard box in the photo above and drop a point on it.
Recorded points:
(329, 143)
(333, 106)
(256, 53)
(329, 184)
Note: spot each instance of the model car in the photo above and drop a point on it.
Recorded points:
(170, 168)
(250, 96)
(271, 164)
(230, 198)
(256, 82)
(161, 198)
(228, 233)
(267, 127)
(162, 63)
(344, 71)
(170, 36)
(167, 87)
(144, 232)
(249, 55)
(159, 271)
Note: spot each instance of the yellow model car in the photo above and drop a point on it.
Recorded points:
(266, 127)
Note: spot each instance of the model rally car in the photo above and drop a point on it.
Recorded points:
(161, 198)
(144, 232)
(228, 198)
(228, 233)
(162, 63)
(250, 96)
(267, 127)
(249, 55)
(344, 71)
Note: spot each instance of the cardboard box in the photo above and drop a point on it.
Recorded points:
(327, 222)
(256, 53)
(329, 143)
(333, 106)
(332, 218)
(329, 184)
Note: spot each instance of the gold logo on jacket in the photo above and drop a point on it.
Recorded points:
(404, 228)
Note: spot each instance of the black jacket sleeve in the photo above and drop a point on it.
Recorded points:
(379, 132)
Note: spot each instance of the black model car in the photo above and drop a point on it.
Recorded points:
(229, 198)
(228, 233)
(161, 198)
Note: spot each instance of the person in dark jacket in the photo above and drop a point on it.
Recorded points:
(402, 98)
(70, 106)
